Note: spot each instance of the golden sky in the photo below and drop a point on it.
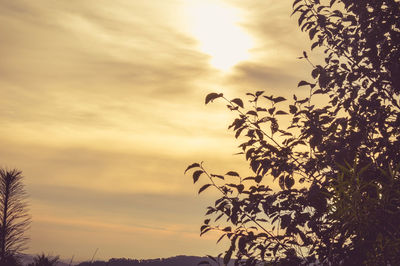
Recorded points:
(102, 108)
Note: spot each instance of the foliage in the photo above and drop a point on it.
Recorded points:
(14, 218)
(43, 260)
(337, 162)
(11, 260)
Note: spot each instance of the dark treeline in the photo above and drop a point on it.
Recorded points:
(173, 261)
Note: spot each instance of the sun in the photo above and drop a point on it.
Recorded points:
(216, 28)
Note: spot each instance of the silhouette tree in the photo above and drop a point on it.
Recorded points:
(43, 260)
(14, 217)
(337, 162)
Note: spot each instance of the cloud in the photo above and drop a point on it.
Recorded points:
(102, 109)
(262, 77)
(96, 48)
(141, 208)
(274, 65)
(273, 26)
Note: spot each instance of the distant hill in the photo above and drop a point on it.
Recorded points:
(173, 261)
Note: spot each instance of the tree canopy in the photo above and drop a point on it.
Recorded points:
(337, 162)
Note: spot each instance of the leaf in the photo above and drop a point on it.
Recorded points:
(221, 237)
(218, 176)
(192, 166)
(249, 153)
(297, 9)
(289, 182)
(205, 231)
(204, 188)
(252, 113)
(271, 110)
(254, 165)
(196, 175)
(282, 182)
(212, 96)
(315, 72)
(232, 173)
(239, 131)
(259, 93)
(249, 178)
(315, 44)
(280, 112)
(278, 99)
(295, 2)
(319, 91)
(303, 83)
(312, 33)
(274, 126)
(303, 101)
(238, 101)
(210, 210)
(227, 229)
(301, 18)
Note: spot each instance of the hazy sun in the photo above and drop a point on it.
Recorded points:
(216, 28)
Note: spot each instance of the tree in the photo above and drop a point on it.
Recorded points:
(337, 162)
(43, 260)
(14, 216)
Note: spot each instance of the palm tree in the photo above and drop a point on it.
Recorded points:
(14, 217)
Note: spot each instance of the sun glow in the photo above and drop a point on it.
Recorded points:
(216, 28)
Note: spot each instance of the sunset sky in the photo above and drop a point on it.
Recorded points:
(102, 108)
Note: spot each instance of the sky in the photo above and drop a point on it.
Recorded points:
(102, 109)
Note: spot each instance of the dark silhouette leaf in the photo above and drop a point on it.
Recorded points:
(259, 93)
(204, 188)
(278, 99)
(238, 101)
(280, 112)
(293, 109)
(221, 237)
(192, 166)
(303, 83)
(232, 173)
(212, 96)
(252, 113)
(228, 229)
(289, 182)
(218, 176)
(196, 175)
